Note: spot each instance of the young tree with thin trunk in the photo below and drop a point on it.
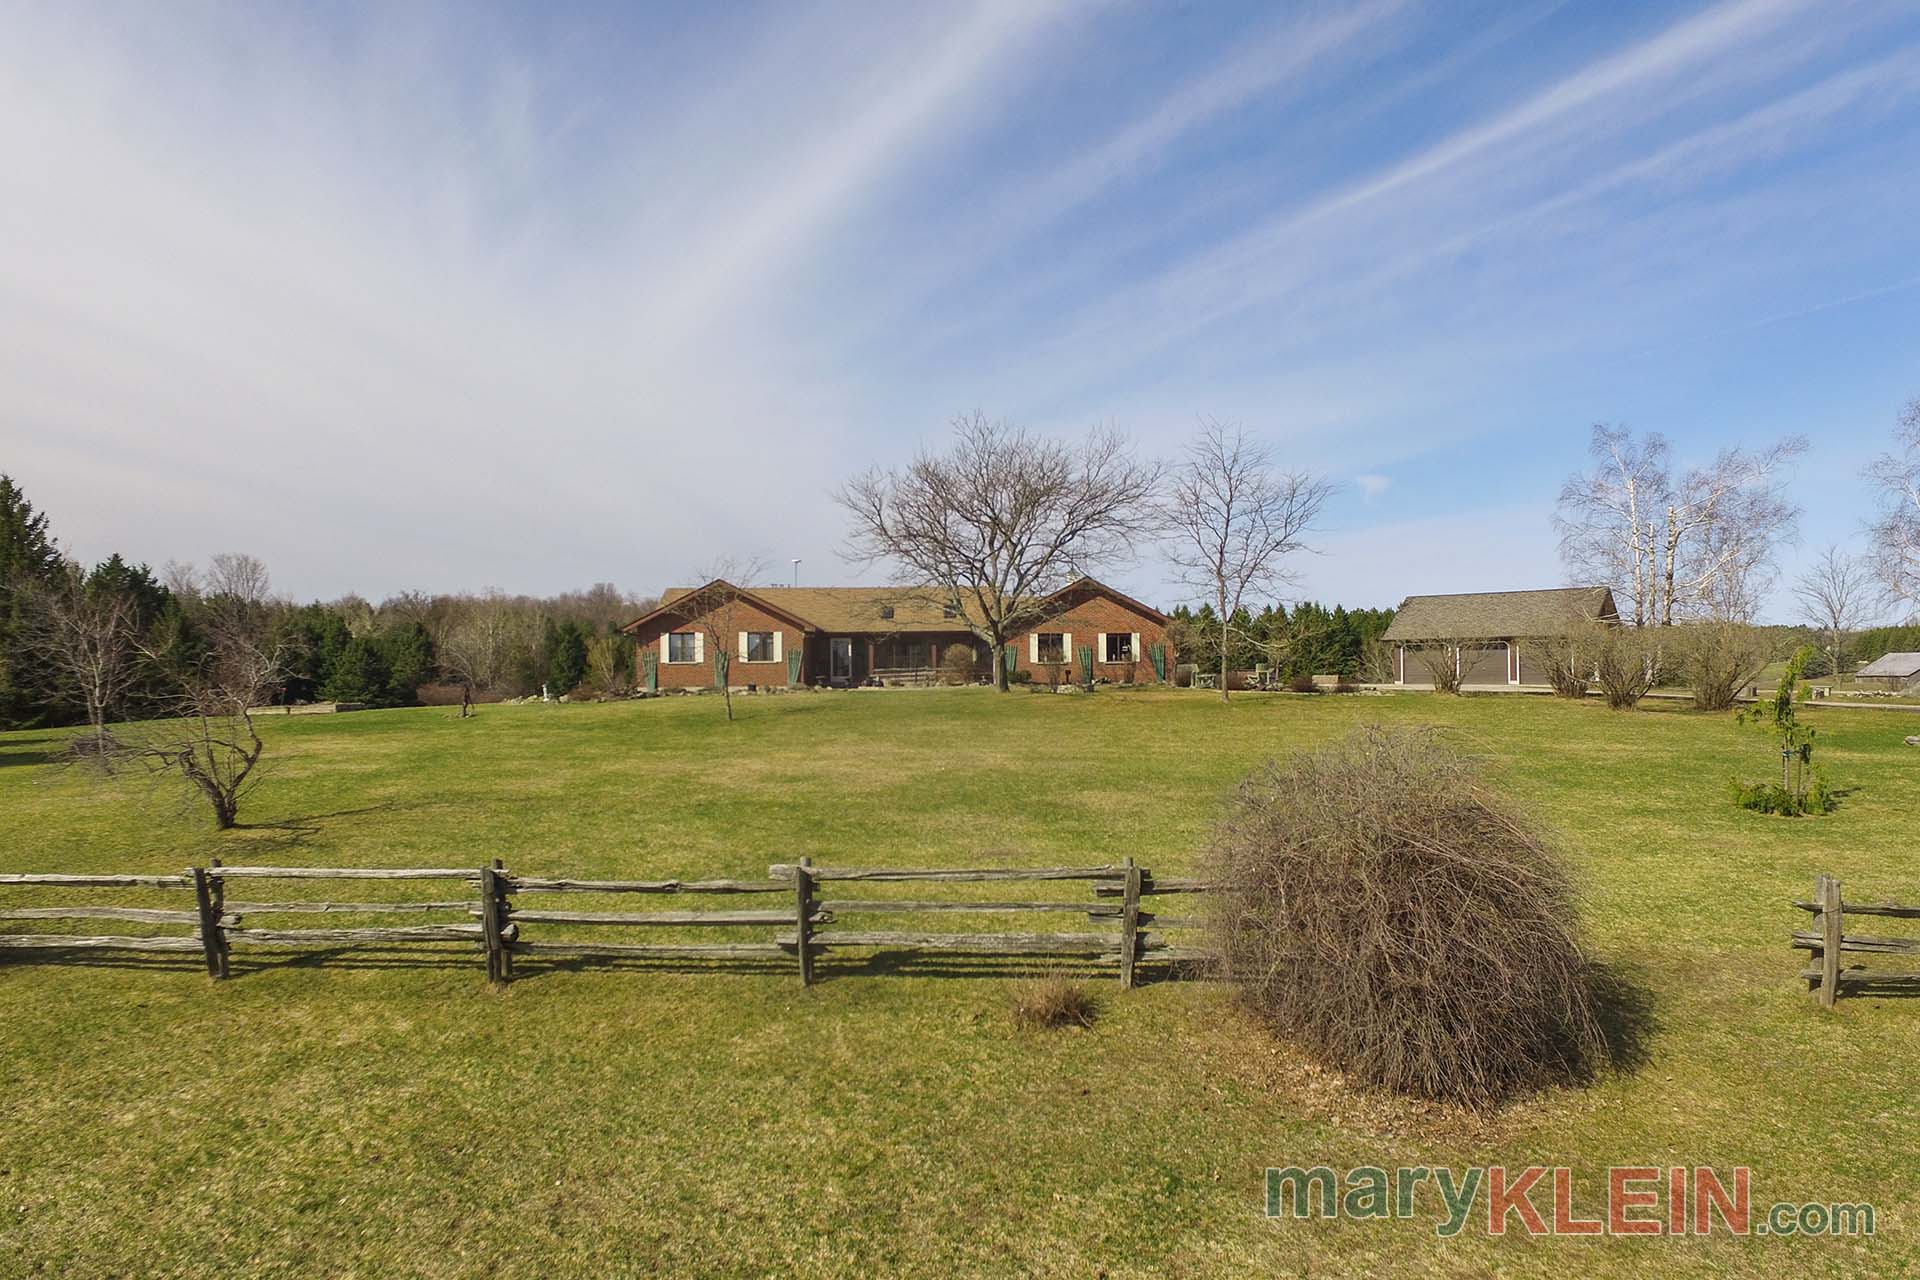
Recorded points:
(1234, 521)
(1895, 530)
(1835, 594)
(1001, 520)
(1702, 545)
(717, 608)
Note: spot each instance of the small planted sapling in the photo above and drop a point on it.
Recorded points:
(1802, 788)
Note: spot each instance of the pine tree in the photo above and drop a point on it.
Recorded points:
(28, 558)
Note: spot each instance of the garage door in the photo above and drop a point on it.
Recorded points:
(1484, 664)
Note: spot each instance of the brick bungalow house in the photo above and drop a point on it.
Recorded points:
(845, 636)
(1484, 632)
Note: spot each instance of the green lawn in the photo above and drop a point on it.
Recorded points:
(374, 1117)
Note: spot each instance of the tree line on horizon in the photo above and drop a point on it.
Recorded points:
(119, 641)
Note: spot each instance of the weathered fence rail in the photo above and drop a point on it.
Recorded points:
(1123, 932)
(1828, 940)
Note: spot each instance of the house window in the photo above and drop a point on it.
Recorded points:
(681, 647)
(759, 646)
(886, 611)
(1053, 646)
(1119, 647)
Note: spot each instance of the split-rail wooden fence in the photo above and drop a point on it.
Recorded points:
(1828, 940)
(1123, 927)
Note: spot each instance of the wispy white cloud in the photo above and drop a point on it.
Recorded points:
(1372, 484)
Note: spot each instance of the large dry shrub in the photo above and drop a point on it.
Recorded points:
(1719, 659)
(1407, 927)
(1626, 662)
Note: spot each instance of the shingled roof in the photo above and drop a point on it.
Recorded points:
(1892, 666)
(847, 610)
(1496, 615)
(850, 609)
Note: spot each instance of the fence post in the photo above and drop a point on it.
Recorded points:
(503, 915)
(803, 919)
(490, 924)
(1827, 894)
(1130, 926)
(212, 937)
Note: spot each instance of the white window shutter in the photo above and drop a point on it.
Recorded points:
(1100, 647)
(1133, 651)
(663, 645)
(1066, 647)
(699, 646)
(779, 648)
(1033, 646)
(743, 646)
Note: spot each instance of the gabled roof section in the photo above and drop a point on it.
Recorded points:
(1892, 666)
(674, 600)
(1493, 615)
(1094, 586)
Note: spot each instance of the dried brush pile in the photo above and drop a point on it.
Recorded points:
(1406, 927)
(1053, 1001)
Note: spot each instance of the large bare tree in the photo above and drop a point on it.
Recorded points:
(1835, 595)
(1234, 520)
(1699, 545)
(1896, 528)
(88, 639)
(1000, 520)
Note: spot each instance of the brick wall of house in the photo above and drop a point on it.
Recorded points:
(1084, 622)
(699, 675)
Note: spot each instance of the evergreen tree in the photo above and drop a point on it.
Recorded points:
(410, 658)
(566, 656)
(358, 674)
(28, 559)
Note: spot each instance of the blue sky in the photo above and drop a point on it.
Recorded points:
(528, 297)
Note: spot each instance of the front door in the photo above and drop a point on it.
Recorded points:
(841, 666)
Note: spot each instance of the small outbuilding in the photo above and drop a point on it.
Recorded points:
(1892, 670)
(1483, 632)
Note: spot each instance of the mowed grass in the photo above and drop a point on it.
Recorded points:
(373, 1115)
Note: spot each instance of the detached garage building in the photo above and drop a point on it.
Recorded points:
(1482, 632)
(1892, 671)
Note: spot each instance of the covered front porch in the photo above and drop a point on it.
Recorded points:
(844, 661)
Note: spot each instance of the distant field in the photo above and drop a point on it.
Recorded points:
(351, 1117)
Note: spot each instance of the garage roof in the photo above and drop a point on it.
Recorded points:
(1897, 666)
(1499, 615)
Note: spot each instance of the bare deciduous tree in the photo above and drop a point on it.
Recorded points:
(1235, 520)
(716, 610)
(485, 637)
(89, 640)
(1001, 520)
(1896, 529)
(212, 743)
(1835, 594)
(1702, 545)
